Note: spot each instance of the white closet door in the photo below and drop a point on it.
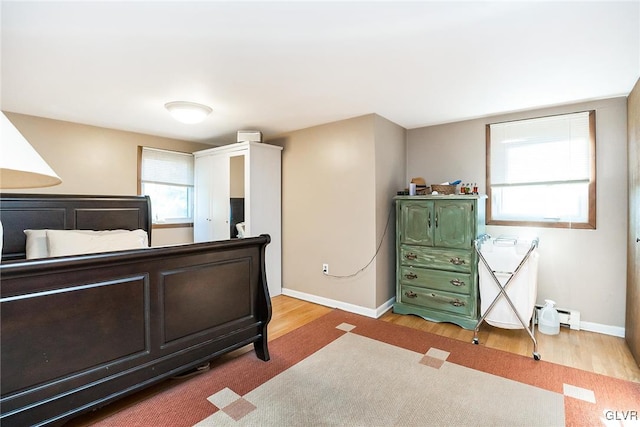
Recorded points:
(220, 197)
(212, 209)
(202, 204)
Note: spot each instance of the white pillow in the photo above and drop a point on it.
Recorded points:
(75, 242)
(36, 244)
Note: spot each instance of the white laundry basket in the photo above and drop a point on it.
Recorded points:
(504, 256)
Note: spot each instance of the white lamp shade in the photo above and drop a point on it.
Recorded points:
(20, 164)
(188, 112)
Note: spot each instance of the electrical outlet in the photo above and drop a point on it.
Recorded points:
(325, 268)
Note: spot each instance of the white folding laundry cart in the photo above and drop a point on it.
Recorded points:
(508, 281)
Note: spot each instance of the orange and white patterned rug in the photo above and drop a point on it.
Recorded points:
(346, 369)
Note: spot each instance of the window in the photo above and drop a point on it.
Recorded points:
(167, 178)
(542, 172)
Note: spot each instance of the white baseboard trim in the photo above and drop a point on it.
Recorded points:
(616, 331)
(352, 308)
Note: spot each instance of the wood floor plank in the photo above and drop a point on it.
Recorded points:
(291, 313)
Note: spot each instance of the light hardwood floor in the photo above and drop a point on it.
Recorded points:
(584, 350)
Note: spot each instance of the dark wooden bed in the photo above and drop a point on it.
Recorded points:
(80, 331)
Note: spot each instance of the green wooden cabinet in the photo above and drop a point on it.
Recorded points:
(436, 264)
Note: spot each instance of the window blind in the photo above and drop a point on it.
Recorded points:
(166, 167)
(551, 149)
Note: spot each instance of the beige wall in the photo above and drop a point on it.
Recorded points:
(94, 160)
(579, 269)
(330, 209)
(390, 167)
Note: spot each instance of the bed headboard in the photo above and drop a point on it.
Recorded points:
(19, 212)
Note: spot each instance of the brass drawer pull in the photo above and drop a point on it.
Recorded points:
(454, 302)
(411, 256)
(457, 282)
(457, 261)
(410, 294)
(411, 276)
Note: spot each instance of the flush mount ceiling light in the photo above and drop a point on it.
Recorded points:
(188, 112)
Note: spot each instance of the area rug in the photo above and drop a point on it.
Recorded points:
(346, 369)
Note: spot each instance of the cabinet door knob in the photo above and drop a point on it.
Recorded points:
(411, 256)
(411, 276)
(457, 282)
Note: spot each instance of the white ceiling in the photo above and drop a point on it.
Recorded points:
(282, 66)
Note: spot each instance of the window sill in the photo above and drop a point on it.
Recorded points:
(171, 225)
(544, 224)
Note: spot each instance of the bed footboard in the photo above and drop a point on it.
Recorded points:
(79, 332)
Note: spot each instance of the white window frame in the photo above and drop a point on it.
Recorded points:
(185, 180)
(510, 199)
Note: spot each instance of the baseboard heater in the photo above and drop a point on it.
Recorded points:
(570, 318)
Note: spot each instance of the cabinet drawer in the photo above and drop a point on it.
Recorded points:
(438, 258)
(439, 300)
(436, 279)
